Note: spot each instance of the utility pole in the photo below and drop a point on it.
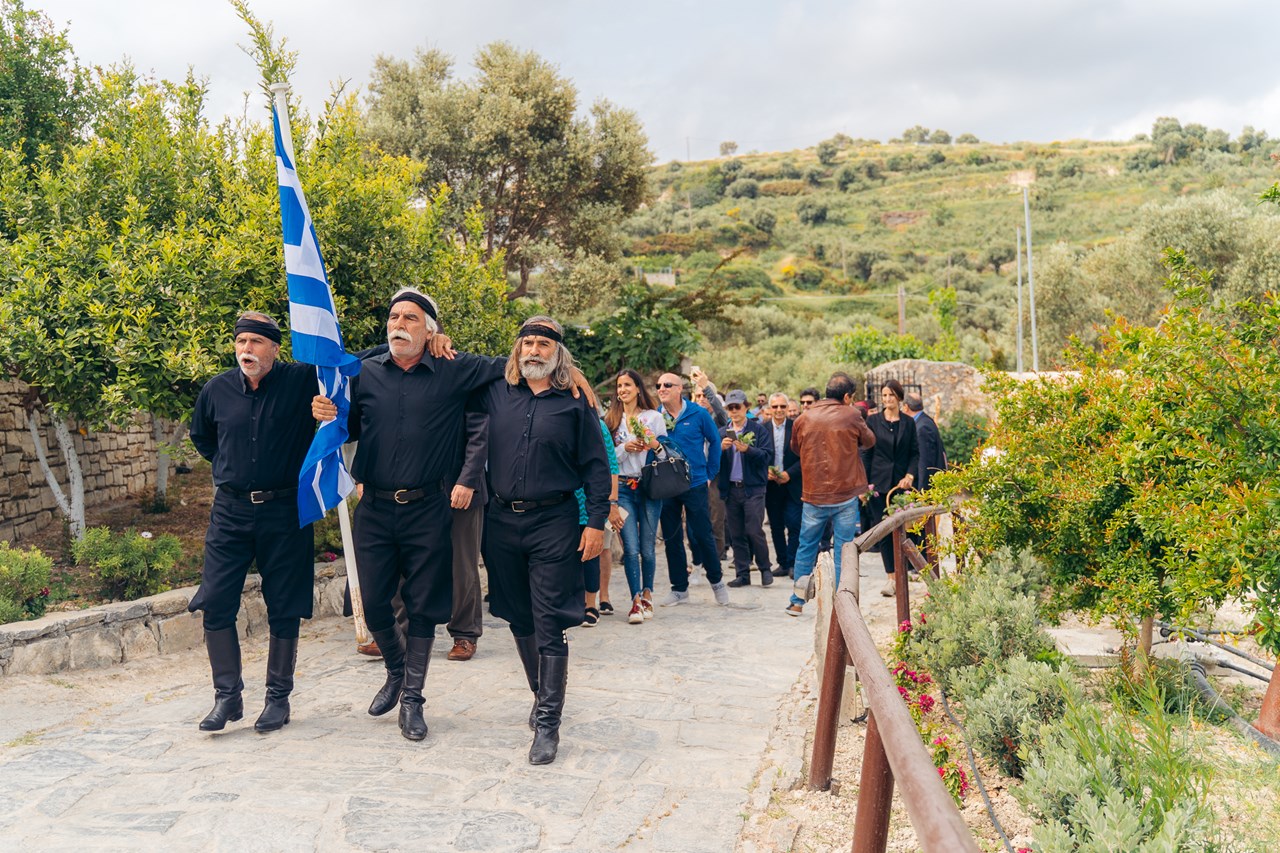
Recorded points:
(1018, 237)
(902, 309)
(688, 200)
(1031, 286)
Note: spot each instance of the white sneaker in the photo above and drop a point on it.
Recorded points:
(890, 589)
(721, 591)
(673, 598)
(695, 578)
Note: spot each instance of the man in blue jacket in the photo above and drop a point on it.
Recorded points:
(747, 448)
(693, 433)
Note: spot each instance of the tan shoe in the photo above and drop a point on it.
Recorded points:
(370, 648)
(463, 649)
(890, 589)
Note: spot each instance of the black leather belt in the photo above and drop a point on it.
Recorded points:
(408, 496)
(260, 497)
(525, 506)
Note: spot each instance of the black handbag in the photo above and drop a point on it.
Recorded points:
(665, 478)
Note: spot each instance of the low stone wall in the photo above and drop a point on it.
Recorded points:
(116, 464)
(133, 630)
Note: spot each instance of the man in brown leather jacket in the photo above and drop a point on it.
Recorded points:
(829, 437)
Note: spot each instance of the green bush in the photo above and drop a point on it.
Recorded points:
(869, 346)
(129, 565)
(964, 435)
(24, 583)
(811, 212)
(744, 188)
(328, 535)
(977, 619)
(1003, 715)
(1104, 782)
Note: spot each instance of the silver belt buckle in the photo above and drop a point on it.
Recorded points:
(254, 497)
(396, 497)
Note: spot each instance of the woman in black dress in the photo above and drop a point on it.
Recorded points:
(890, 462)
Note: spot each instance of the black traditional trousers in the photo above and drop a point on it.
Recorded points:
(243, 533)
(535, 571)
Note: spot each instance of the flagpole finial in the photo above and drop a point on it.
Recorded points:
(278, 88)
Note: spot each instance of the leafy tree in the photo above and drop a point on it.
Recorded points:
(996, 256)
(917, 134)
(45, 95)
(967, 139)
(827, 152)
(728, 149)
(1143, 490)
(651, 329)
(940, 137)
(848, 176)
(764, 220)
(511, 142)
(811, 212)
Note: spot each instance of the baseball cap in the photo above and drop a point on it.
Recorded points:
(739, 397)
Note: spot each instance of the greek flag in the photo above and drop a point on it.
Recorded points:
(316, 339)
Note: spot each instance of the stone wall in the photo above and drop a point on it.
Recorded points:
(946, 386)
(116, 464)
(132, 630)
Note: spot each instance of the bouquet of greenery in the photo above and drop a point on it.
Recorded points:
(639, 431)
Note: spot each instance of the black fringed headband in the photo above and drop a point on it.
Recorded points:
(417, 299)
(539, 329)
(268, 330)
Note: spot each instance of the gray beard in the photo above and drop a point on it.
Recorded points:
(535, 372)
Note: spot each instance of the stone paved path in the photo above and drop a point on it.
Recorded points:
(665, 727)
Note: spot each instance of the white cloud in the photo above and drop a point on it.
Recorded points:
(769, 75)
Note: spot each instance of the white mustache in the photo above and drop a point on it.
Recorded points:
(250, 358)
(532, 359)
(399, 335)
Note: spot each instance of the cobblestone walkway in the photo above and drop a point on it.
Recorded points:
(665, 727)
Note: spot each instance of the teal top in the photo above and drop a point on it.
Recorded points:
(613, 469)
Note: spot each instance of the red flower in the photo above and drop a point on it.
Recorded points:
(905, 627)
(925, 702)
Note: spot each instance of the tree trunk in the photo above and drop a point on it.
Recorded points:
(164, 442)
(71, 501)
(522, 289)
(1142, 663)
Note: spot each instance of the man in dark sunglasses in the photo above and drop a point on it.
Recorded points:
(694, 435)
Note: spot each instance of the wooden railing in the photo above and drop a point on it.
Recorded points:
(893, 750)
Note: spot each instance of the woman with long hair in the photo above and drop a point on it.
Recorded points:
(889, 463)
(636, 426)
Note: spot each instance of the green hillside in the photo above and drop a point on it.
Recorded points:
(822, 237)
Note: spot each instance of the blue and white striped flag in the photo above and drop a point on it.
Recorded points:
(316, 339)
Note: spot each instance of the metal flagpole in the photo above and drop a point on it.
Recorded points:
(1031, 286)
(279, 92)
(1017, 232)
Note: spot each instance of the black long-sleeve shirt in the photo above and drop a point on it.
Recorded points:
(256, 439)
(545, 445)
(410, 422)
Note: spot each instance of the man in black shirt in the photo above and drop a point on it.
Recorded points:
(254, 424)
(543, 445)
(407, 409)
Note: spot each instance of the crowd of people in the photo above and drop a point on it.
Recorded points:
(513, 459)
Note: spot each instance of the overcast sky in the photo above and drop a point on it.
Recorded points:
(769, 75)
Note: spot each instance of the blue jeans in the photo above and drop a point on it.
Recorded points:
(692, 509)
(845, 518)
(639, 535)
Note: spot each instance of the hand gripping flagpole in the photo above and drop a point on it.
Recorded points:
(316, 338)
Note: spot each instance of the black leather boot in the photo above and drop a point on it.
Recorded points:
(388, 697)
(228, 688)
(282, 657)
(416, 657)
(553, 674)
(528, 649)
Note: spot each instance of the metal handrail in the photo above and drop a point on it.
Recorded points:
(893, 749)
